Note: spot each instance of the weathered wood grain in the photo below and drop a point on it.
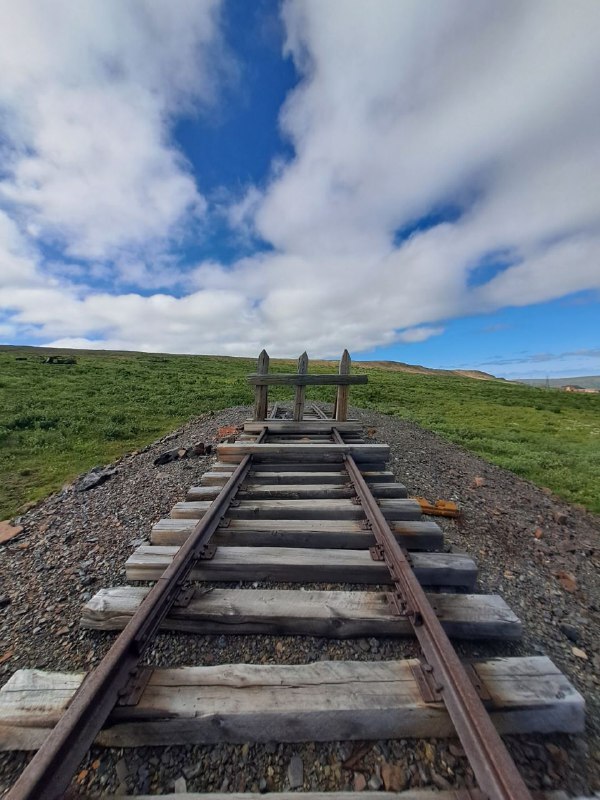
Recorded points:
(261, 397)
(299, 509)
(317, 466)
(306, 426)
(214, 478)
(302, 491)
(341, 400)
(300, 390)
(324, 701)
(338, 615)
(349, 535)
(297, 565)
(293, 379)
(297, 451)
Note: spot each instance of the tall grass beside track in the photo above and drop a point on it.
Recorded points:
(57, 421)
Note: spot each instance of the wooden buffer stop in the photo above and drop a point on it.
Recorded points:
(262, 379)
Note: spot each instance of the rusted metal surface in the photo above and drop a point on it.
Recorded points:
(49, 772)
(494, 769)
(319, 411)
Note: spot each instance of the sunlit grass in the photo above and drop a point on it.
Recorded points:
(59, 420)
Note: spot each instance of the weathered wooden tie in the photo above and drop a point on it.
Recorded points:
(338, 615)
(302, 565)
(323, 701)
(344, 535)
(300, 509)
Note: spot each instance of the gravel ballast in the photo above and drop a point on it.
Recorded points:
(535, 550)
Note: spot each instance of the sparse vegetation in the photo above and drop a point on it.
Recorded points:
(56, 422)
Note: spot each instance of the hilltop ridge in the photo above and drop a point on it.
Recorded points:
(417, 369)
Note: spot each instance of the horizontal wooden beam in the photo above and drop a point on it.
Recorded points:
(294, 379)
(313, 452)
(323, 701)
(349, 535)
(284, 478)
(300, 509)
(299, 491)
(303, 427)
(302, 565)
(338, 615)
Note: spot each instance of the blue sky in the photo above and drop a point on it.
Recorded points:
(413, 181)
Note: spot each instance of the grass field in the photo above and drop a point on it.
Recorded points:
(58, 420)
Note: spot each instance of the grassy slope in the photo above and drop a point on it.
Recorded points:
(57, 421)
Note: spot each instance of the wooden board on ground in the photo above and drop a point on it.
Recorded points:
(284, 478)
(350, 535)
(299, 509)
(294, 379)
(324, 701)
(338, 615)
(302, 565)
(298, 491)
(319, 466)
(234, 453)
(304, 427)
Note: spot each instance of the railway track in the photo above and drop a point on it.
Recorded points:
(299, 499)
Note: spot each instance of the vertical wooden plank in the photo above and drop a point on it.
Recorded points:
(261, 398)
(300, 390)
(341, 403)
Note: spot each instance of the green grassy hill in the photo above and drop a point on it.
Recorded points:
(57, 420)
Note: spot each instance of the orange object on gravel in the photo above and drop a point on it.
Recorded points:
(227, 431)
(441, 508)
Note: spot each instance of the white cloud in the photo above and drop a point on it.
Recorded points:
(402, 108)
(88, 91)
(420, 334)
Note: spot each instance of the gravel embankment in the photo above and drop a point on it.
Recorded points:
(538, 552)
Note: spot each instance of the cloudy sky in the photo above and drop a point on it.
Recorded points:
(416, 179)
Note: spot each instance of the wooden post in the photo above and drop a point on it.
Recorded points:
(300, 390)
(341, 402)
(261, 397)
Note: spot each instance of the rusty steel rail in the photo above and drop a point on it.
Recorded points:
(50, 771)
(494, 769)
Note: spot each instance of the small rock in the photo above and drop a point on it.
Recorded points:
(393, 777)
(456, 750)
(440, 781)
(180, 785)
(538, 533)
(295, 772)
(199, 449)
(374, 783)
(570, 631)
(262, 785)
(577, 651)
(191, 771)
(478, 481)
(360, 782)
(182, 452)
(8, 531)
(121, 770)
(95, 477)
(567, 580)
(167, 457)
(560, 517)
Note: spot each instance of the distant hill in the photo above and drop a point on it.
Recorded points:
(584, 381)
(416, 369)
(392, 366)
